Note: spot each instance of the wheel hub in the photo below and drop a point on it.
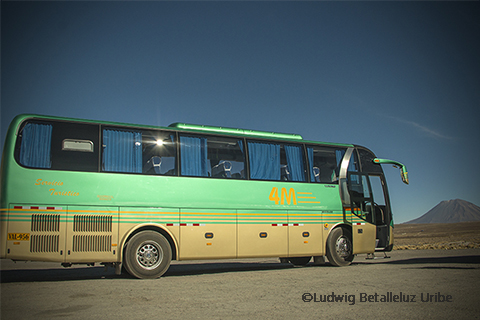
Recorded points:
(149, 255)
(343, 247)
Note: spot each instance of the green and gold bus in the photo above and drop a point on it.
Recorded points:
(134, 196)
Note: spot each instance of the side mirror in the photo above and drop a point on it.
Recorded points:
(396, 164)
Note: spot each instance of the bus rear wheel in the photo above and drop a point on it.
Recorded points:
(339, 247)
(147, 255)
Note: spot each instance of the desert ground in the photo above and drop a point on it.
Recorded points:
(433, 284)
(448, 236)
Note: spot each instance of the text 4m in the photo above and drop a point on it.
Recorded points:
(285, 196)
(292, 197)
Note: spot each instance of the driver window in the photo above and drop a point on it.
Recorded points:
(360, 196)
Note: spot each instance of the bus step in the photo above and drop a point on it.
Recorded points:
(371, 256)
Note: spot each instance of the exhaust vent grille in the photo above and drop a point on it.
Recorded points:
(91, 243)
(45, 222)
(84, 223)
(44, 243)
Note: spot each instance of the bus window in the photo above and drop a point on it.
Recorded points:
(75, 146)
(366, 159)
(58, 146)
(361, 196)
(211, 156)
(324, 163)
(148, 152)
(122, 151)
(159, 153)
(35, 146)
(292, 163)
(275, 161)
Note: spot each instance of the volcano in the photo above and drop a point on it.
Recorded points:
(450, 211)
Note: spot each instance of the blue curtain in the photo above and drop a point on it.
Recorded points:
(240, 144)
(295, 163)
(194, 156)
(36, 145)
(264, 160)
(310, 163)
(122, 151)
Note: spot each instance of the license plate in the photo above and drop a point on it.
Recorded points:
(19, 236)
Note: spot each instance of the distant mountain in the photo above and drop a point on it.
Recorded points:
(450, 211)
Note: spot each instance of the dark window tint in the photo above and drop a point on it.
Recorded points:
(366, 159)
(75, 146)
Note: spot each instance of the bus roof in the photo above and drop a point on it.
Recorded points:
(237, 131)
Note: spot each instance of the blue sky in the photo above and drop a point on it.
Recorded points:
(401, 78)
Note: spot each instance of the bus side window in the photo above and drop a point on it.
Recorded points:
(122, 151)
(75, 146)
(34, 145)
(292, 163)
(264, 159)
(324, 163)
(274, 161)
(58, 146)
(147, 152)
(212, 156)
(159, 153)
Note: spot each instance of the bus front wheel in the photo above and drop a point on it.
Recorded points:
(147, 255)
(339, 247)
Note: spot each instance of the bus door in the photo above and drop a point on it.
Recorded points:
(362, 209)
(382, 213)
(368, 206)
(355, 192)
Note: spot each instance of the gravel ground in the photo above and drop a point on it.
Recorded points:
(411, 284)
(445, 236)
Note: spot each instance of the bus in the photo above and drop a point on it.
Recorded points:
(136, 197)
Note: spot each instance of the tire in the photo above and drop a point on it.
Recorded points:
(300, 261)
(339, 247)
(147, 255)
